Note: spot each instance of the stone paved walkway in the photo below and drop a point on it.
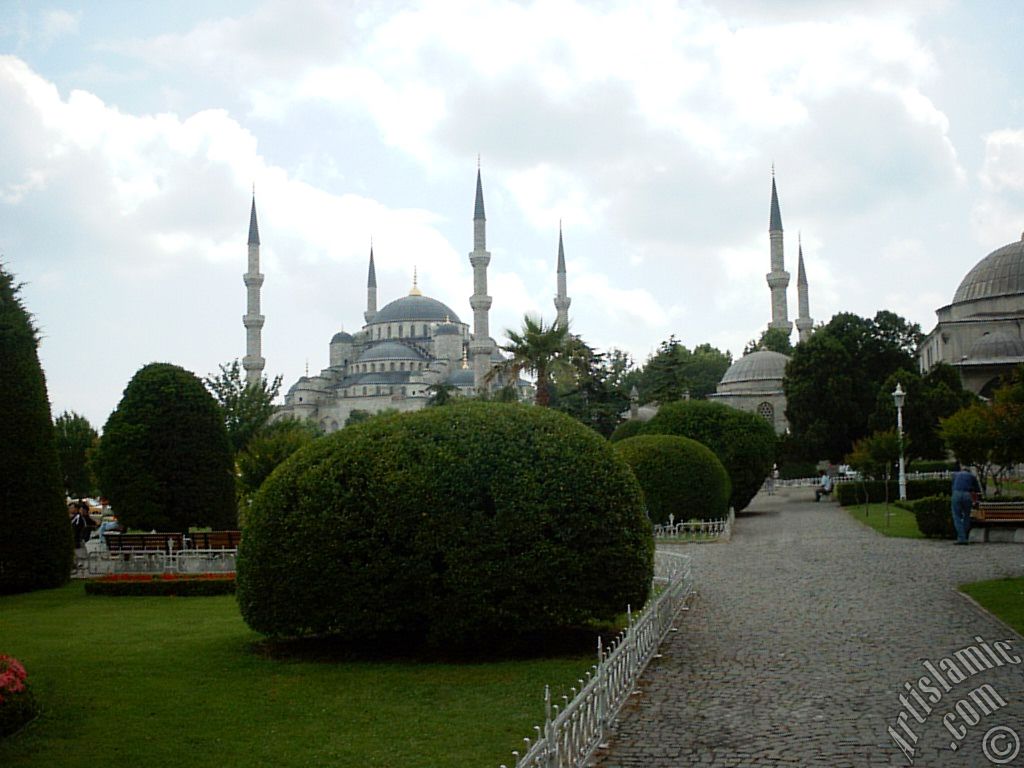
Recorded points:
(805, 628)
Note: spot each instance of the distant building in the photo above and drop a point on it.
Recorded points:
(979, 332)
(404, 348)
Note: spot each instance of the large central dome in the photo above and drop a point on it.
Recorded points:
(416, 308)
(1001, 273)
(763, 365)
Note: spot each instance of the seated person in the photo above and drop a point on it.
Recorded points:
(824, 486)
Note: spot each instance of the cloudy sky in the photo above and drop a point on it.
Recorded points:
(132, 135)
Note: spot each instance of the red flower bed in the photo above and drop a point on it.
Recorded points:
(164, 584)
(146, 577)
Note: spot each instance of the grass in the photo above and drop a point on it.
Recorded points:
(1002, 597)
(173, 681)
(901, 523)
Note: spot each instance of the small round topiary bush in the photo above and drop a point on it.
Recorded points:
(626, 430)
(446, 528)
(744, 442)
(678, 476)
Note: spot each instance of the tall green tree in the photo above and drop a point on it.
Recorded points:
(833, 379)
(674, 372)
(76, 440)
(971, 435)
(271, 446)
(164, 460)
(773, 340)
(246, 408)
(591, 389)
(36, 548)
(537, 349)
(934, 396)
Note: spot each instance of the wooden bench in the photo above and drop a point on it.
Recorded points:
(215, 540)
(126, 543)
(999, 512)
(143, 551)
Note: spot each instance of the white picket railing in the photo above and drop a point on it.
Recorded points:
(697, 530)
(576, 728)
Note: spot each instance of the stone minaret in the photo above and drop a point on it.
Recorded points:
(371, 291)
(778, 278)
(253, 361)
(562, 301)
(804, 323)
(481, 346)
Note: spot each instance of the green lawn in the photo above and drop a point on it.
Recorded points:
(1003, 597)
(174, 681)
(900, 523)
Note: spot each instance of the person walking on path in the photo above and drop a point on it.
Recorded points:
(965, 493)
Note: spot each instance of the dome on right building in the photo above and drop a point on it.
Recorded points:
(1001, 273)
(754, 384)
(980, 331)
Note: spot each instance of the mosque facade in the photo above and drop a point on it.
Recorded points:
(979, 333)
(405, 351)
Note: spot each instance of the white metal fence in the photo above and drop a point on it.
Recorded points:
(574, 729)
(696, 530)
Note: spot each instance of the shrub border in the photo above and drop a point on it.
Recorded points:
(162, 585)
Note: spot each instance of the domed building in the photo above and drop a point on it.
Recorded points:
(408, 346)
(754, 384)
(979, 333)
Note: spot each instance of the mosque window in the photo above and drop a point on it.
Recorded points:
(401, 366)
(767, 411)
(364, 390)
(378, 331)
(389, 331)
(403, 390)
(392, 366)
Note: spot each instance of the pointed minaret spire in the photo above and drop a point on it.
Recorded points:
(481, 345)
(371, 289)
(778, 278)
(804, 323)
(562, 300)
(253, 362)
(415, 291)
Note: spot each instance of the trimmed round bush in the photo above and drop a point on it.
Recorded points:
(450, 527)
(743, 442)
(678, 476)
(626, 430)
(164, 460)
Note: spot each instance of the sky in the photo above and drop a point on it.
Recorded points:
(133, 136)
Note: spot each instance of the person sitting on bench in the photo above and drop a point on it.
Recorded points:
(824, 486)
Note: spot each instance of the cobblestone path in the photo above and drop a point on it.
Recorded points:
(795, 652)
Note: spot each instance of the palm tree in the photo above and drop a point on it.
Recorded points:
(538, 349)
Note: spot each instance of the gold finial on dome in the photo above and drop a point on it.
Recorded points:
(465, 360)
(415, 287)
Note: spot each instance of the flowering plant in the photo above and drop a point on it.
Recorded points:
(144, 577)
(12, 676)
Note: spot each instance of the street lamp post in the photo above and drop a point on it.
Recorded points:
(899, 397)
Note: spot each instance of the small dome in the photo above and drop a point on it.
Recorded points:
(763, 365)
(996, 344)
(390, 350)
(461, 377)
(1001, 273)
(447, 329)
(342, 338)
(415, 308)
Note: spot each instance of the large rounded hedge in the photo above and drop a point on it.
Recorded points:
(164, 460)
(744, 442)
(446, 528)
(625, 430)
(678, 476)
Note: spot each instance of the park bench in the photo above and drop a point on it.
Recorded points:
(999, 512)
(207, 551)
(143, 551)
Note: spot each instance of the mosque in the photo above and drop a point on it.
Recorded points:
(754, 382)
(405, 350)
(979, 332)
